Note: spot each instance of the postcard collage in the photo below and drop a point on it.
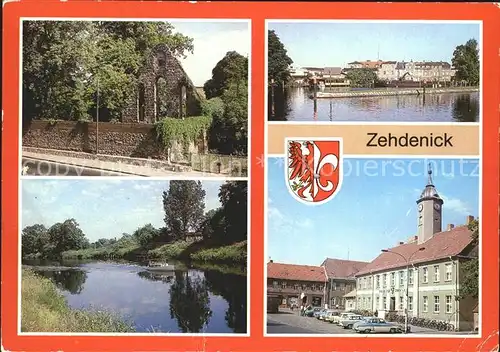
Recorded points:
(201, 176)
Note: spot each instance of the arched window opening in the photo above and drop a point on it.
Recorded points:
(161, 59)
(161, 98)
(183, 101)
(141, 102)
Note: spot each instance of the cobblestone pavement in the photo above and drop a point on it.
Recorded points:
(287, 322)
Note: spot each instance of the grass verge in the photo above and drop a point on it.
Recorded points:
(44, 309)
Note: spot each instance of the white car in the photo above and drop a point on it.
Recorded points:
(350, 320)
(342, 316)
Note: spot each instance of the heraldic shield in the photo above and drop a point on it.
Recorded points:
(313, 168)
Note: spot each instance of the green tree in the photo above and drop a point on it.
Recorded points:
(232, 69)
(278, 61)
(466, 62)
(362, 77)
(469, 286)
(64, 60)
(65, 236)
(146, 234)
(233, 197)
(31, 239)
(184, 205)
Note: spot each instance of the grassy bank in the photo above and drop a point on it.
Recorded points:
(201, 252)
(196, 251)
(44, 309)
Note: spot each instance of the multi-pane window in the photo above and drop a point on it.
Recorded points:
(401, 301)
(401, 278)
(425, 304)
(448, 272)
(410, 303)
(384, 280)
(377, 302)
(448, 304)
(275, 283)
(425, 272)
(377, 282)
(436, 273)
(393, 279)
(283, 284)
(410, 277)
(296, 286)
(436, 304)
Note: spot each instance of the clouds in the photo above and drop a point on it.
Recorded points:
(212, 40)
(103, 208)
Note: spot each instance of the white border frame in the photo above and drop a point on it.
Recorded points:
(348, 156)
(137, 178)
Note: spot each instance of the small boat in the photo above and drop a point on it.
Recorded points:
(160, 267)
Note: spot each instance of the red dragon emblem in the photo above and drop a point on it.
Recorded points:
(313, 169)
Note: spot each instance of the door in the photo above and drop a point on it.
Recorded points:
(392, 304)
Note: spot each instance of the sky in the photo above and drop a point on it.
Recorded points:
(374, 209)
(335, 44)
(211, 40)
(103, 208)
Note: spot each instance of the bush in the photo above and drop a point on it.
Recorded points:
(170, 250)
(213, 108)
(235, 253)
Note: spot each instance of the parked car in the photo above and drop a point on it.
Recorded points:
(330, 316)
(341, 316)
(309, 312)
(350, 320)
(318, 313)
(362, 321)
(378, 325)
(322, 314)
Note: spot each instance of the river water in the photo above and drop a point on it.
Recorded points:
(294, 104)
(189, 300)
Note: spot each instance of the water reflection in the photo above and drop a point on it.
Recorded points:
(294, 104)
(68, 280)
(189, 300)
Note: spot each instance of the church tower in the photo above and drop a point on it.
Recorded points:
(429, 210)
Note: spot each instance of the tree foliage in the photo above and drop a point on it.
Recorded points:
(184, 205)
(466, 62)
(228, 224)
(64, 62)
(362, 77)
(278, 61)
(146, 234)
(469, 287)
(227, 105)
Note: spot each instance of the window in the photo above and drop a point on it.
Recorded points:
(275, 283)
(384, 280)
(334, 286)
(436, 304)
(364, 302)
(401, 301)
(448, 304)
(377, 282)
(369, 303)
(377, 300)
(436, 273)
(401, 278)
(410, 277)
(425, 304)
(304, 287)
(283, 284)
(359, 283)
(410, 303)
(393, 279)
(425, 275)
(449, 270)
(384, 303)
(296, 286)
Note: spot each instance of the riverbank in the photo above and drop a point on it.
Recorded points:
(44, 309)
(183, 250)
(392, 92)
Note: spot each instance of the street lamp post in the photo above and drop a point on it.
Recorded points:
(407, 260)
(97, 120)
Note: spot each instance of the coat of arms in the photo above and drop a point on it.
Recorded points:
(313, 169)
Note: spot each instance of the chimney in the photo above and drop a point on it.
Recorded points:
(450, 227)
(400, 243)
(270, 261)
(470, 218)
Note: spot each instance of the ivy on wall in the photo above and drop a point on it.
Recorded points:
(185, 131)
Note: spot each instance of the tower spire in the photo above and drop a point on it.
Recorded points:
(429, 173)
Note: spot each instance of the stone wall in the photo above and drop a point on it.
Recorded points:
(125, 139)
(178, 98)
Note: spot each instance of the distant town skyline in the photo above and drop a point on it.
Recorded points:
(323, 44)
(102, 208)
(374, 209)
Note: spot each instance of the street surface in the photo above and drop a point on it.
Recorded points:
(288, 322)
(46, 168)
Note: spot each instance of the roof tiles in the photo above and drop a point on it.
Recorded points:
(295, 272)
